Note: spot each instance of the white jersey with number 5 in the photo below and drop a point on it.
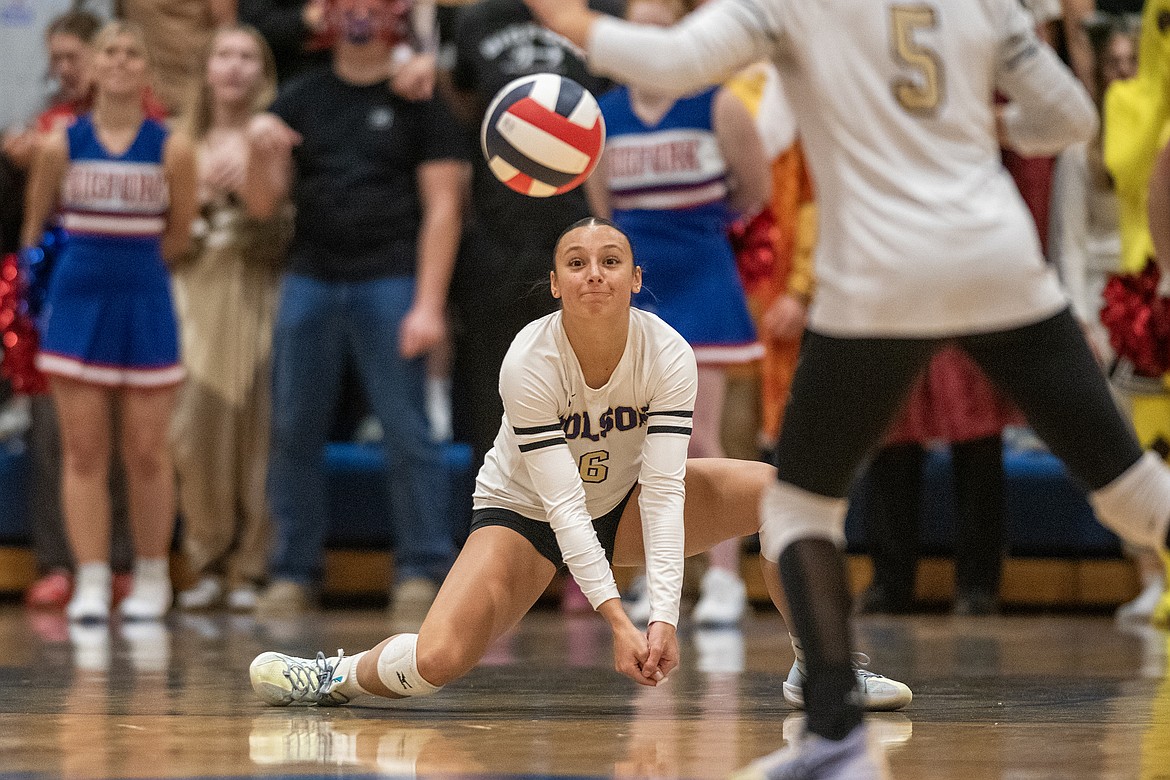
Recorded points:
(922, 231)
(567, 453)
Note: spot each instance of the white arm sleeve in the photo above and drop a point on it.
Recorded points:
(530, 406)
(1048, 109)
(1068, 228)
(662, 477)
(707, 47)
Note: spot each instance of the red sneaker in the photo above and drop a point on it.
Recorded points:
(51, 591)
(120, 586)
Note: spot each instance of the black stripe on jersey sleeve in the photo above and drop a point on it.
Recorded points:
(537, 445)
(680, 413)
(538, 429)
(667, 429)
(1019, 48)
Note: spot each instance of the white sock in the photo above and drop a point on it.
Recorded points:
(799, 651)
(95, 575)
(151, 596)
(91, 593)
(151, 570)
(349, 686)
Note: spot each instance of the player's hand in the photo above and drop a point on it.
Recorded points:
(630, 651)
(415, 80)
(20, 147)
(662, 658)
(786, 318)
(269, 135)
(421, 331)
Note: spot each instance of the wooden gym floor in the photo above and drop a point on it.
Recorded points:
(1024, 696)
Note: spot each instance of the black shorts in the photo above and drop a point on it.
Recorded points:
(847, 391)
(541, 534)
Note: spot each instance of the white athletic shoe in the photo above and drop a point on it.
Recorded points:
(878, 693)
(280, 679)
(90, 604)
(722, 599)
(637, 601)
(148, 600)
(243, 598)
(809, 757)
(205, 594)
(719, 650)
(1142, 607)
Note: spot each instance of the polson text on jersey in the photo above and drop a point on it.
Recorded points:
(624, 418)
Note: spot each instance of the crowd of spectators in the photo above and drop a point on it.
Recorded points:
(343, 220)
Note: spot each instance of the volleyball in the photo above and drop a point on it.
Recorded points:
(543, 134)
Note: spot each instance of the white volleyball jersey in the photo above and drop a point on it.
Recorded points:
(922, 231)
(567, 453)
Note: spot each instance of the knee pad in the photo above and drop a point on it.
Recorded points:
(788, 513)
(1136, 505)
(398, 667)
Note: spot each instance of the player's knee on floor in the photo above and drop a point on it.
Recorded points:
(398, 667)
(1136, 505)
(789, 513)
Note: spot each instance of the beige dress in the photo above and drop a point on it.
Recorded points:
(226, 298)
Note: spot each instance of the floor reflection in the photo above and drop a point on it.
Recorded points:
(1024, 696)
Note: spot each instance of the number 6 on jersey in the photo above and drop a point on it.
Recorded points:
(592, 466)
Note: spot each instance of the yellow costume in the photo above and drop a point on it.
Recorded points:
(1137, 125)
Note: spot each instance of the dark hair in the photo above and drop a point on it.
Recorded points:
(80, 24)
(1100, 28)
(587, 222)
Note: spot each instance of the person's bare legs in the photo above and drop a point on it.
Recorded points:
(150, 482)
(84, 413)
(496, 579)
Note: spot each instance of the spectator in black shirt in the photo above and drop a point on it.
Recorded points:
(510, 236)
(378, 183)
(288, 26)
(293, 30)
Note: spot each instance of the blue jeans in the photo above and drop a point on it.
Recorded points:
(316, 323)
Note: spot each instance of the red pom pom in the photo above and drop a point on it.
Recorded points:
(754, 243)
(1138, 320)
(18, 334)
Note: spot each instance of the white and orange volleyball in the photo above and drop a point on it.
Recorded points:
(543, 135)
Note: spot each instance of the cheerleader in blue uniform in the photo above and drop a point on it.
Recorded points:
(673, 175)
(125, 191)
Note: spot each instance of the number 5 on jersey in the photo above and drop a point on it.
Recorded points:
(924, 93)
(592, 466)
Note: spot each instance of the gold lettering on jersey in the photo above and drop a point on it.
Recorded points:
(923, 93)
(592, 466)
